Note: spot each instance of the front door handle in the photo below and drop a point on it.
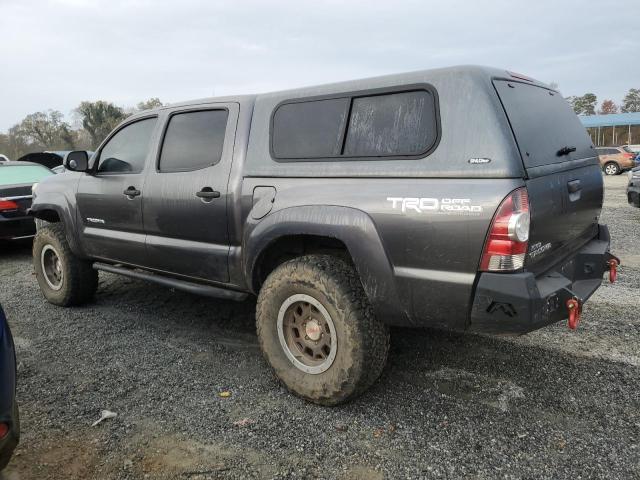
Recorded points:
(208, 193)
(132, 192)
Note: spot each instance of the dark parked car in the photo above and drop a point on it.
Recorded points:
(47, 159)
(53, 160)
(633, 189)
(16, 182)
(345, 208)
(9, 421)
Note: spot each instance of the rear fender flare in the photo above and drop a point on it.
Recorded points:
(352, 227)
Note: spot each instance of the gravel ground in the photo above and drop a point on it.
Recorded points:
(552, 404)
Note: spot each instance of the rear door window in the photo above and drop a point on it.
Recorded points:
(543, 123)
(193, 140)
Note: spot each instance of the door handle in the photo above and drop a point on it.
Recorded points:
(132, 192)
(207, 193)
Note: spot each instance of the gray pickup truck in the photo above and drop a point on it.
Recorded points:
(463, 198)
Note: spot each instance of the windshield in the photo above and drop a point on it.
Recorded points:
(18, 174)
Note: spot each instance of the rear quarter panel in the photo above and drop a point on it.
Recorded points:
(431, 246)
(432, 253)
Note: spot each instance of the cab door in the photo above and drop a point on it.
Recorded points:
(110, 197)
(185, 204)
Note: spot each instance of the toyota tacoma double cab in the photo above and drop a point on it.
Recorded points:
(464, 198)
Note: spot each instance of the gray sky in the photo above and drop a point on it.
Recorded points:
(57, 53)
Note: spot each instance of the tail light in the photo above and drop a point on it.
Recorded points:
(7, 205)
(506, 244)
(4, 429)
(629, 155)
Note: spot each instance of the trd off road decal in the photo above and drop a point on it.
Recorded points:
(538, 248)
(447, 206)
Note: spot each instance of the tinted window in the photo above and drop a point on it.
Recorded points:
(309, 129)
(127, 150)
(543, 123)
(193, 140)
(395, 124)
(606, 151)
(390, 124)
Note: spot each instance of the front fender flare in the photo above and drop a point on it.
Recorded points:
(58, 204)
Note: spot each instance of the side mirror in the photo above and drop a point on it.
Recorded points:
(77, 161)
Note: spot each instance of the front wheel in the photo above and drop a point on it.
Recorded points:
(317, 330)
(612, 168)
(64, 279)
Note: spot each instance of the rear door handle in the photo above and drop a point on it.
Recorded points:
(132, 192)
(207, 193)
(573, 186)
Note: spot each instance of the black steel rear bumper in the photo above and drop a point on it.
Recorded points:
(522, 302)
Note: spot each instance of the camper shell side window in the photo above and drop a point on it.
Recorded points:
(400, 123)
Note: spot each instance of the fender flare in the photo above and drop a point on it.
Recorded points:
(352, 227)
(66, 216)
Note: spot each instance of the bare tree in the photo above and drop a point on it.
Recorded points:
(47, 129)
(608, 107)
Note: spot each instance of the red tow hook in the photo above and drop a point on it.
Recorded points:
(575, 309)
(613, 269)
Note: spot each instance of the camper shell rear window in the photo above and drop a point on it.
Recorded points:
(543, 124)
(401, 123)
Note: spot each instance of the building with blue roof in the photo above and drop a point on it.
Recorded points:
(613, 129)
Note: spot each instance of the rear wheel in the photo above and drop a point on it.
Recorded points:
(612, 168)
(317, 330)
(64, 279)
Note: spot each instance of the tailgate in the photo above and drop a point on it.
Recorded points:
(564, 180)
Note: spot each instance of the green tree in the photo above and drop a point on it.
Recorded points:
(149, 104)
(631, 101)
(99, 118)
(584, 105)
(47, 129)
